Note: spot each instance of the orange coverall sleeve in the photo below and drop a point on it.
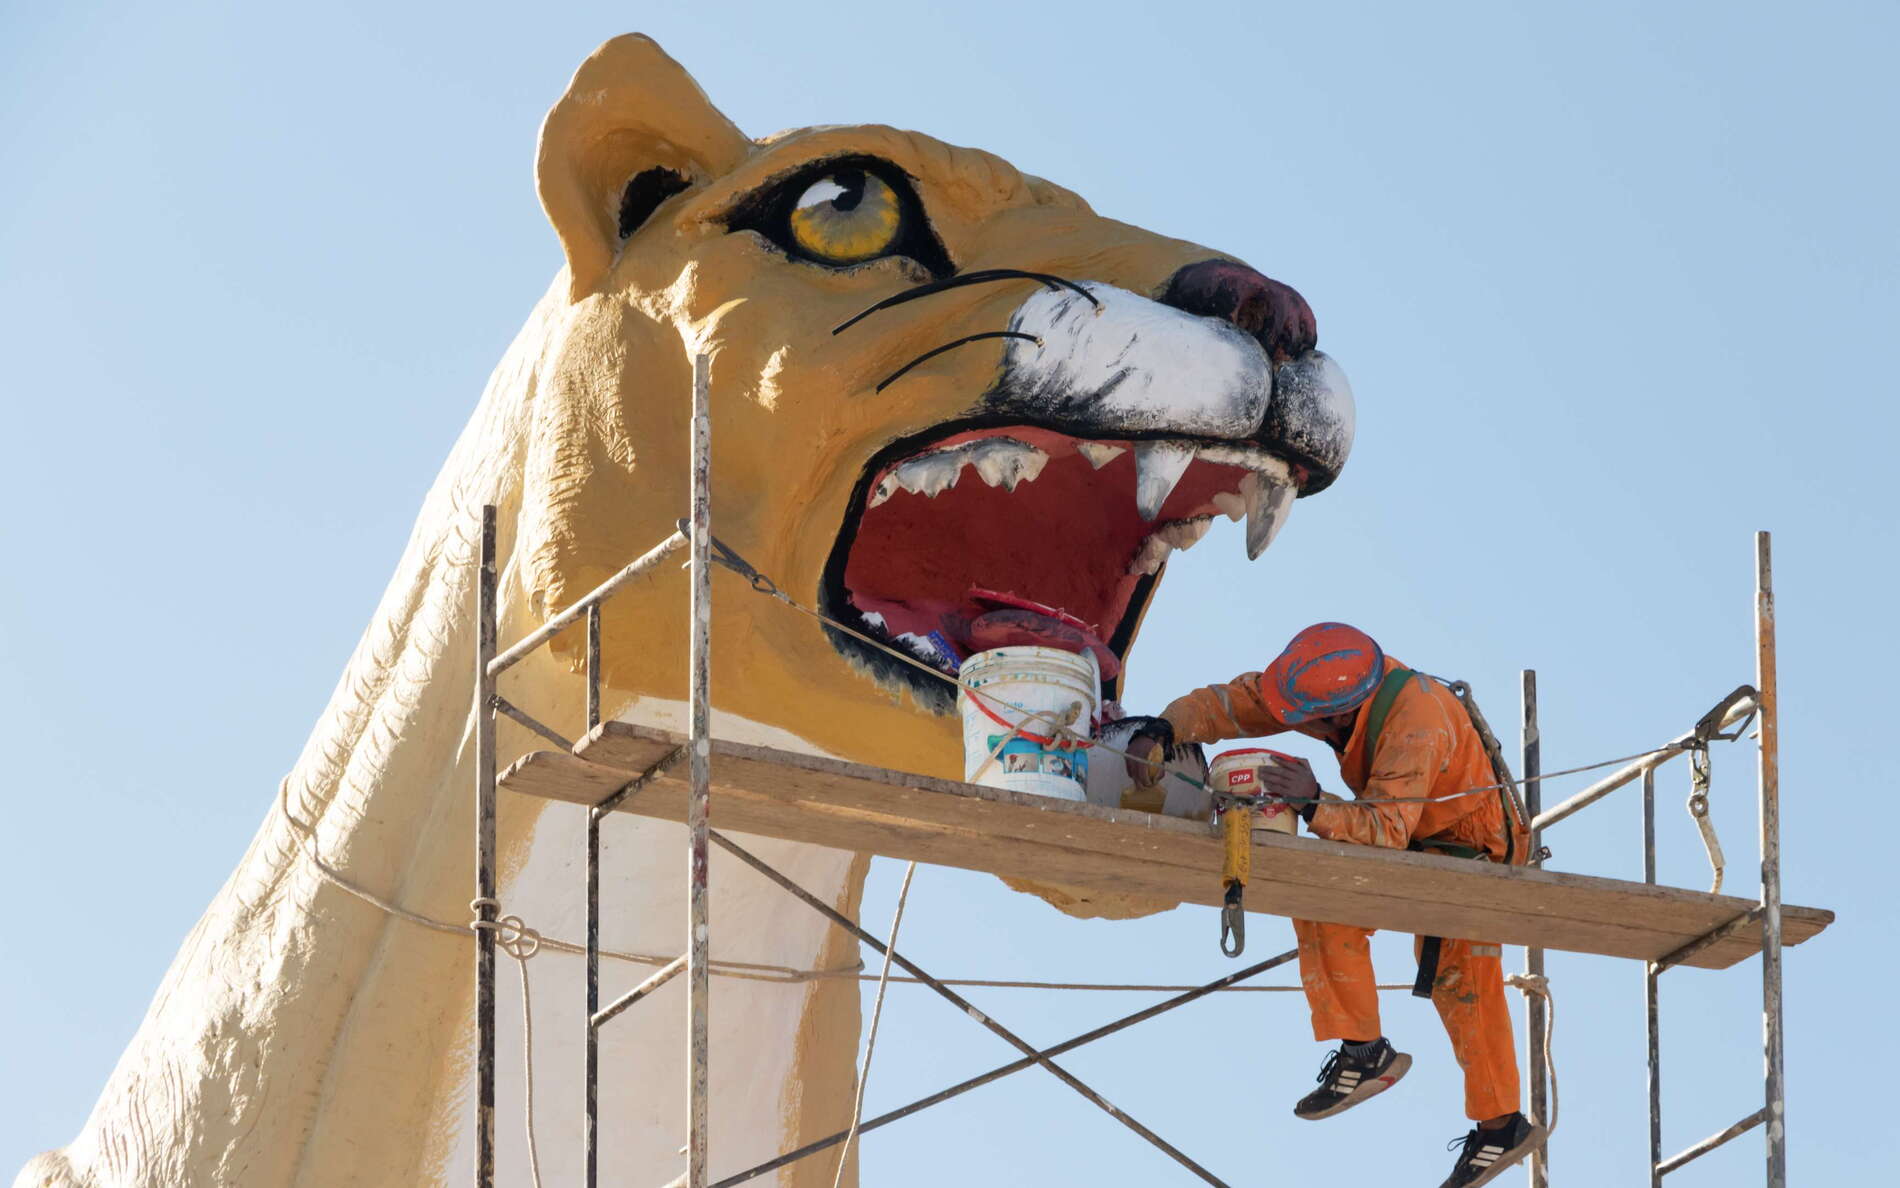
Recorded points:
(1217, 712)
(1414, 747)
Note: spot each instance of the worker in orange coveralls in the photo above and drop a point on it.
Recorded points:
(1327, 684)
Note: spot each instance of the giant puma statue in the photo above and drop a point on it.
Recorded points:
(1046, 403)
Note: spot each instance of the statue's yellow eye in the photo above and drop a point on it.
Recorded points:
(847, 217)
(842, 212)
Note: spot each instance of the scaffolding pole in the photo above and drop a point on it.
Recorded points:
(1652, 1017)
(1536, 1014)
(698, 974)
(590, 1071)
(486, 906)
(1769, 772)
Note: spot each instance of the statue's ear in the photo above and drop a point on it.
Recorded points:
(632, 130)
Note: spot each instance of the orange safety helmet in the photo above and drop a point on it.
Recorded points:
(1327, 669)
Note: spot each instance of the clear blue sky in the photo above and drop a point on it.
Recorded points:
(1615, 285)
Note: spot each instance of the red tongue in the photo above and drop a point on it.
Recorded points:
(1023, 623)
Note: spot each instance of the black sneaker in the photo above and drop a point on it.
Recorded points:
(1485, 1153)
(1346, 1080)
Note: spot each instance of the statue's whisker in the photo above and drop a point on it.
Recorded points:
(968, 338)
(979, 277)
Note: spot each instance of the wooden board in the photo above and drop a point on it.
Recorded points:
(849, 806)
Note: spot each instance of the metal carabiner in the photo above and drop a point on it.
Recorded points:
(723, 554)
(1233, 921)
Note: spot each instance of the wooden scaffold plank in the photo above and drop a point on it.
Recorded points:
(849, 806)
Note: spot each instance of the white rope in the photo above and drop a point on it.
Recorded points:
(744, 970)
(527, 1070)
(520, 942)
(1539, 985)
(877, 1015)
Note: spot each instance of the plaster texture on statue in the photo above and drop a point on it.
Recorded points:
(302, 1037)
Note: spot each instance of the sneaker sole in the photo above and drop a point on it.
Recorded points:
(1514, 1156)
(1401, 1064)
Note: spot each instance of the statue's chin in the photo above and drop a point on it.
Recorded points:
(1091, 904)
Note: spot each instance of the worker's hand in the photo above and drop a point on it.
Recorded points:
(1149, 750)
(1293, 782)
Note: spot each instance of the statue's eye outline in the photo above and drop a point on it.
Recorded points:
(841, 213)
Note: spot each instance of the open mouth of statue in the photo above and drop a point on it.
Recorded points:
(1019, 535)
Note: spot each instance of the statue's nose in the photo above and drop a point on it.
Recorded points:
(1272, 312)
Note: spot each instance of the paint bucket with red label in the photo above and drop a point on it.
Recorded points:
(1026, 721)
(1238, 773)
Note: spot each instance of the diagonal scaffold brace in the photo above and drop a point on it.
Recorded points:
(966, 1006)
(1014, 1066)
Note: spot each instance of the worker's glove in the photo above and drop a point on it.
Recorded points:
(1293, 783)
(1148, 750)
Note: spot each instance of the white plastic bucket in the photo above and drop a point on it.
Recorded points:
(1015, 682)
(1238, 772)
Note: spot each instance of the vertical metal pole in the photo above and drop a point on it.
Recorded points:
(591, 1072)
(485, 616)
(699, 984)
(1536, 1019)
(1651, 1016)
(1770, 775)
(593, 665)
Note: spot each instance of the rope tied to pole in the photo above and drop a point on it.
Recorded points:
(1539, 985)
(512, 936)
(521, 942)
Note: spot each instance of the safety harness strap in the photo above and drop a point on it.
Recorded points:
(1389, 689)
(1381, 706)
(1427, 966)
(1236, 867)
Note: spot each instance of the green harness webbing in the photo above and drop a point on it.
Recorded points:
(1382, 700)
(1388, 692)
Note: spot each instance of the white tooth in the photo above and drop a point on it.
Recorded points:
(1268, 502)
(1004, 462)
(1099, 453)
(1185, 534)
(1149, 557)
(1158, 466)
(1231, 504)
(930, 475)
(996, 470)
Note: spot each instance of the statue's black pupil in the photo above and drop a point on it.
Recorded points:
(853, 182)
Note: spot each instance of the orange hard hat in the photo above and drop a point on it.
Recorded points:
(1327, 669)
